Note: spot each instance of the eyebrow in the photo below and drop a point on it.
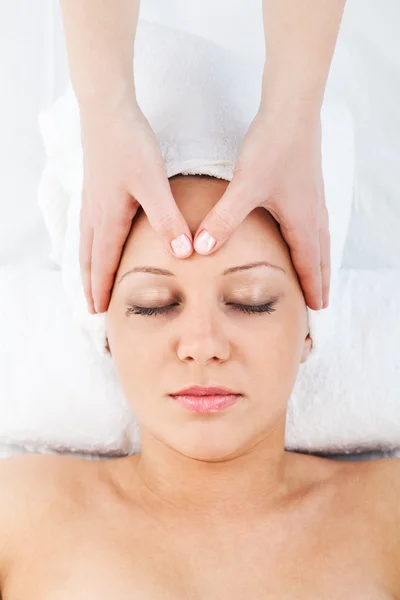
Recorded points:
(260, 263)
(157, 271)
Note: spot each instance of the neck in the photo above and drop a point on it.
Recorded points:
(248, 483)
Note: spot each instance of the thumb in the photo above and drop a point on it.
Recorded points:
(222, 220)
(167, 220)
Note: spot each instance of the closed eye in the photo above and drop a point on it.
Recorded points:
(160, 310)
(156, 310)
(253, 309)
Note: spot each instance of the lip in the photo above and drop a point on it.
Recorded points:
(199, 390)
(205, 399)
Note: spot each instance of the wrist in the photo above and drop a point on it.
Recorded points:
(291, 98)
(291, 115)
(99, 101)
(288, 127)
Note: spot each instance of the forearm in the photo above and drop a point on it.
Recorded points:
(300, 38)
(100, 38)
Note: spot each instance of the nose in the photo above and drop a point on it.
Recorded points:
(202, 340)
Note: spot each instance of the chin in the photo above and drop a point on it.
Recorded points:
(214, 446)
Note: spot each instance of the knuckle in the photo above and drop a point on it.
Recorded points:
(122, 221)
(225, 222)
(106, 223)
(166, 222)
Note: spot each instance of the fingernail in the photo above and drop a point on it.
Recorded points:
(204, 242)
(181, 246)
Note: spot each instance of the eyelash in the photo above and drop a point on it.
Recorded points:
(245, 308)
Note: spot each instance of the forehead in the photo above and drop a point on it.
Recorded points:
(257, 238)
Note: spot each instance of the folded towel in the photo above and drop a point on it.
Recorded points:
(55, 392)
(200, 100)
(58, 394)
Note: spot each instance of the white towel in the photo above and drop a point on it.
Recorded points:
(200, 100)
(58, 394)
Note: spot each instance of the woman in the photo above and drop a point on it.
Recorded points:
(213, 506)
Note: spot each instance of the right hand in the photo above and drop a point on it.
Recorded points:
(123, 169)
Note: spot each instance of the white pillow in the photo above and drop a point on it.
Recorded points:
(55, 392)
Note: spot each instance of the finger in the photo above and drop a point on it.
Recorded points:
(305, 252)
(168, 221)
(216, 228)
(109, 238)
(325, 246)
(85, 258)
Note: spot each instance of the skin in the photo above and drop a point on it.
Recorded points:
(213, 506)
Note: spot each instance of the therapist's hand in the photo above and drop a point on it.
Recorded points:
(123, 169)
(279, 168)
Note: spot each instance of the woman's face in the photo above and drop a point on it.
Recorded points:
(199, 325)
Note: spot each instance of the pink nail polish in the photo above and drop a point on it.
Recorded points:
(181, 246)
(204, 243)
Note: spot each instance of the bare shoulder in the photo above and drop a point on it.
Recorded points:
(35, 476)
(372, 487)
(365, 495)
(32, 488)
(382, 478)
(367, 487)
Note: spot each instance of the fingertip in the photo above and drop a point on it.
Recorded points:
(204, 242)
(181, 246)
(100, 303)
(100, 307)
(314, 301)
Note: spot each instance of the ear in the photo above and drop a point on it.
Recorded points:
(306, 349)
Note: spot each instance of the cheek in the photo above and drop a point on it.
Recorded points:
(275, 350)
(135, 357)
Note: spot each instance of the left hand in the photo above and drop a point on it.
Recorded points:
(279, 168)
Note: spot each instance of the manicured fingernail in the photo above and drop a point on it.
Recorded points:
(181, 246)
(204, 242)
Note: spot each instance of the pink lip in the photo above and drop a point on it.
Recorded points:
(205, 399)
